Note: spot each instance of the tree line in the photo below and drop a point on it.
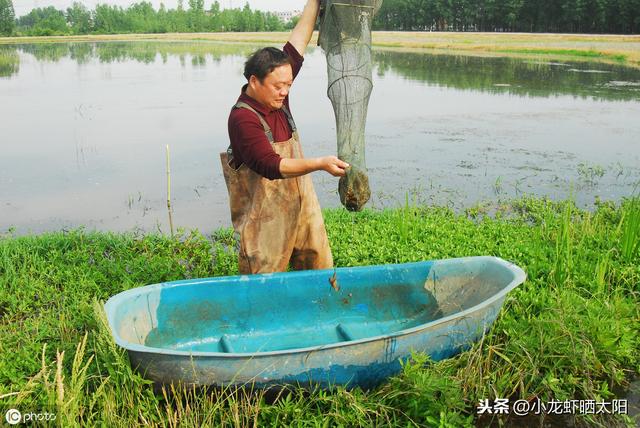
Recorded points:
(552, 16)
(565, 16)
(140, 17)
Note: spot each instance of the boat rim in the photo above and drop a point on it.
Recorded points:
(113, 302)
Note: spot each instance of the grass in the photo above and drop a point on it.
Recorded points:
(617, 49)
(569, 52)
(630, 224)
(571, 331)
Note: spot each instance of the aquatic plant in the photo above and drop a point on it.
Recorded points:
(590, 173)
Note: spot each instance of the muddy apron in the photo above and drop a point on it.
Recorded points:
(279, 221)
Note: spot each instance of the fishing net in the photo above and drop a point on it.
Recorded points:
(345, 37)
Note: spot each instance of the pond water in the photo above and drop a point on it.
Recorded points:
(84, 128)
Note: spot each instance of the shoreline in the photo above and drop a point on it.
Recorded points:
(616, 49)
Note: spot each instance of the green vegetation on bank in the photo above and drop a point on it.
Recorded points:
(572, 330)
(568, 52)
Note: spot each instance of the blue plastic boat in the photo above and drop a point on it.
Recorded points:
(309, 327)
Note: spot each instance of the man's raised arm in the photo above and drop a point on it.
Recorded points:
(301, 34)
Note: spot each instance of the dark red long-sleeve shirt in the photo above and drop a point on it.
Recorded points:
(248, 141)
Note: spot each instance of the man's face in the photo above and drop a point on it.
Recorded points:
(275, 86)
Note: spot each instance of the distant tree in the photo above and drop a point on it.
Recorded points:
(7, 18)
(273, 23)
(79, 18)
(163, 19)
(215, 20)
(108, 19)
(196, 17)
(179, 19)
(291, 23)
(47, 21)
(140, 18)
(245, 19)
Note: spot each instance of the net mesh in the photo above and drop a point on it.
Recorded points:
(345, 37)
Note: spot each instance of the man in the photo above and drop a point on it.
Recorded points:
(274, 207)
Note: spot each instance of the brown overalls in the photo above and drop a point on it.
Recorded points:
(279, 221)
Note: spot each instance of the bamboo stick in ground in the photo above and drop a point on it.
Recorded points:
(169, 193)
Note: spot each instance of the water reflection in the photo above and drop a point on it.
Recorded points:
(514, 76)
(144, 52)
(529, 78)
(9, 61)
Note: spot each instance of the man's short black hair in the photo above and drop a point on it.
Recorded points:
(264, 61)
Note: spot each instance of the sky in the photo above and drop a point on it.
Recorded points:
(22, 7)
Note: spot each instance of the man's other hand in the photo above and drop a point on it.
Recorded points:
(334, 166)
(296, 167)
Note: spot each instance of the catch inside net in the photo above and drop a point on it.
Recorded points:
(345, 37)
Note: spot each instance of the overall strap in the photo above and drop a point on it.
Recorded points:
(292, 124)
(265, 126)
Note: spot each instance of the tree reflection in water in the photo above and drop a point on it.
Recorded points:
(9, 61)
(532, 78)
(515, 76)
